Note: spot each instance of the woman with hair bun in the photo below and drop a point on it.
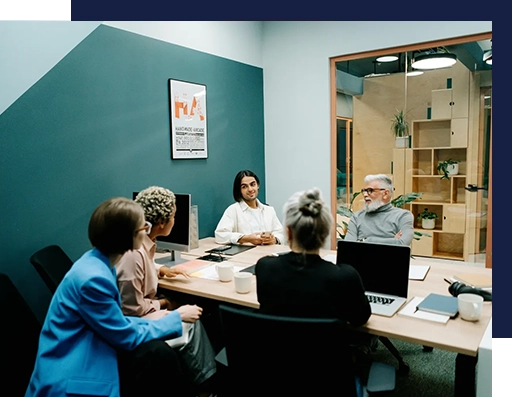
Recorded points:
(302, 284)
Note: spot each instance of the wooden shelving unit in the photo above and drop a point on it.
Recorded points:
(434, 141)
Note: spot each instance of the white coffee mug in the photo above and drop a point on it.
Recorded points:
(470, 306)
(243, 281)
(225, 271)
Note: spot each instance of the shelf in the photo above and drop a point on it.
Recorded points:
(424, 202)
(448, 245)
(433, 148)
(434, 189)
(448, 255)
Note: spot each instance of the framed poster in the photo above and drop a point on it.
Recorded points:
(187, 101)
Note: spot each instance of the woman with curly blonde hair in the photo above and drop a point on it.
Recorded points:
(138, 274)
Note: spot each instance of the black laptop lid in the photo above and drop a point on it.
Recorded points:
(383, 268)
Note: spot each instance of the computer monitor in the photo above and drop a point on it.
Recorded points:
(179, 239)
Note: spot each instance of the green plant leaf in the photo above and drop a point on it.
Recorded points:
(344, 211)
(403, 199)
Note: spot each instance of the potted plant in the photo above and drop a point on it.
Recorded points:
(428, 219)
(400, 128)
(448, 167)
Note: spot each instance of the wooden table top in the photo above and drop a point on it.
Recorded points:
(456, 335)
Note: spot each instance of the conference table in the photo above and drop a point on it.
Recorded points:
(456, 335)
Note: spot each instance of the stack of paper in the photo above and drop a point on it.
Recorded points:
(418, 272)
(411, 311)
(192, 265)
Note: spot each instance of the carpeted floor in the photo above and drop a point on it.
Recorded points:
(431, 374)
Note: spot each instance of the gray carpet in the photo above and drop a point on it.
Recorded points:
(431, 374)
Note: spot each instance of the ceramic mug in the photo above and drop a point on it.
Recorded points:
(225, 271)
(243, 281)
(470, 306)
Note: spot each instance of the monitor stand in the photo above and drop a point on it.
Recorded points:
(171, 260)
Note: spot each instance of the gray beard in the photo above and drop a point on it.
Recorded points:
(373, 206)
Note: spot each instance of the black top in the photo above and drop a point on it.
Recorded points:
(309, 286)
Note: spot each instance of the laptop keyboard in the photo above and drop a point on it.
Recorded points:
(379, 300)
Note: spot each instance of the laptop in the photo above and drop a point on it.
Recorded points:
(384, 270)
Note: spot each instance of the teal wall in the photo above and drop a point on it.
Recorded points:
(97, 126)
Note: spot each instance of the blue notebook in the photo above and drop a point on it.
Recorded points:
(439, 304)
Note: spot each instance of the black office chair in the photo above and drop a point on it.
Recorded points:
(19, 339)
(52, 264)
(286, 356)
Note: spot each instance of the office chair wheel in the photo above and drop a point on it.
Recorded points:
(403, 369)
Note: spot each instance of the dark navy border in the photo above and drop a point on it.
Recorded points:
(272, 10)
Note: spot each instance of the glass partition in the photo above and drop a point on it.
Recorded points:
(429, 131)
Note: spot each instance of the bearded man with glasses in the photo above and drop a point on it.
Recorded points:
(379, 222)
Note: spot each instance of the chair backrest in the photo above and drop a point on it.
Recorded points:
(19, 338)
(52, 264)
(276, 356)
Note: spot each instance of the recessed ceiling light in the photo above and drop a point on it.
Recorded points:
(414, 73)
(387, 58)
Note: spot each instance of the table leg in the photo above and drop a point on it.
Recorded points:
(465, 375)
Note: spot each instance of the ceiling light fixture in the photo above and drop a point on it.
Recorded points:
(414, 73)
(387, 58)
(488, 57)
(433, 59)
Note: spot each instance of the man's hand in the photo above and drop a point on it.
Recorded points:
(254, 238)
(190, 313)
(267, 238)
(399, 234)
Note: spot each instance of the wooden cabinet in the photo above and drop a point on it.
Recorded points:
(448, 104)
(454, 218)
(442, 133)
(434, 141)
(452, 102)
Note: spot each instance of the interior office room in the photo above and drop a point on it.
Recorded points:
(84, 116)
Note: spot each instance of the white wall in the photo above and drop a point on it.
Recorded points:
(29, 49)
(236, 40)
(297, 92)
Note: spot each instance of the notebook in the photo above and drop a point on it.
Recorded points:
(384, 270)
(439, 304)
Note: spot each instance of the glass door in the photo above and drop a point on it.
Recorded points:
(445, 154)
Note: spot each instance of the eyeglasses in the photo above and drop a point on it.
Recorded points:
(370, 190)
(146, 228)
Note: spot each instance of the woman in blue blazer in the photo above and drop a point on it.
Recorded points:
(85, 328)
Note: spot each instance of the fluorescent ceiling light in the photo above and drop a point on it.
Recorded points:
(434, 60)
(387, 58)
(414, 73)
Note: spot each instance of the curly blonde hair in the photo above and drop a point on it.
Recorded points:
(158, 204)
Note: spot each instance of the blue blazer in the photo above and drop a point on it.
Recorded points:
(83, 328)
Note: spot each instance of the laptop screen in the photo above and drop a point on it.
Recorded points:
(383, 268)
